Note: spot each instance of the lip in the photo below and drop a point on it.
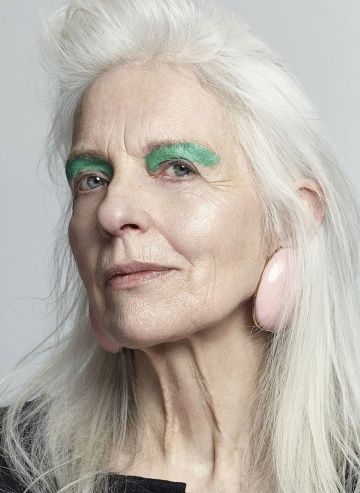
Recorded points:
(133, 267)
(134, 279)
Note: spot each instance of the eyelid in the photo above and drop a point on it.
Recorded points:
(186, 150)
(186, 162)
(193, 151)
(90, 173)
(94, 163)
(73, 166)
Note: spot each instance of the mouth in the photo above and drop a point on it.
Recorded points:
(125, 281)
(132, 267)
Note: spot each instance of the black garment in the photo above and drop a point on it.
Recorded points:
(132, 484)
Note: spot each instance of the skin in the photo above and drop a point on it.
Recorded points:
(191, 331)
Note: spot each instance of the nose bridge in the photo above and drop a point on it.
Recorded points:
(128, 174)
(124, 202)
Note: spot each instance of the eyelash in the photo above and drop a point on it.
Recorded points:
(184, 164)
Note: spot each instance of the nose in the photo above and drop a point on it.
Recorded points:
(124, 206)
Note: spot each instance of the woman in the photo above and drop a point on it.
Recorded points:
(229, 361)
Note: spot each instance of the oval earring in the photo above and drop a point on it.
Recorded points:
(269, 291)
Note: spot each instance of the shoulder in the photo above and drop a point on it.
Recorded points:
(8, 483)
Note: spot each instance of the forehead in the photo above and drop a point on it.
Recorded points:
(136, 104)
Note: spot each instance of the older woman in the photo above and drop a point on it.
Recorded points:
(210, 319)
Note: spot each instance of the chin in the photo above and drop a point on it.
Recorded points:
(144, 341)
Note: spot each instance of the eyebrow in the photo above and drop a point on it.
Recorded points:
(93, 153)
(152, 146)
(162, 150)
(174, 142)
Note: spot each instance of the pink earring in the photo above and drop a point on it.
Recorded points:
(270, 289)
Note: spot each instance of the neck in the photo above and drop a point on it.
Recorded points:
(196, 395)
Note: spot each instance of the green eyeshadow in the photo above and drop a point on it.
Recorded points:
(86, 163)
(184, 150)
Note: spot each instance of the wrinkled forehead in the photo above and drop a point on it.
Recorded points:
(140, 104)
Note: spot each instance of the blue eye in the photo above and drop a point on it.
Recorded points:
(90, 178)
(84, 176)
(179, 165)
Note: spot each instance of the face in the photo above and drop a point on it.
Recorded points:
(190, 206)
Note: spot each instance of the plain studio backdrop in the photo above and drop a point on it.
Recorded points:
(317, 39)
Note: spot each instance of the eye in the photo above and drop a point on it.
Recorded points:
(179, 166)
(88, 178)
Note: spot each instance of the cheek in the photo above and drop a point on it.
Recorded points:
(242, 246)
(71, 235)
(224, 226)
(81, 227)
(225, 234)
(75, 233)
(81, 248)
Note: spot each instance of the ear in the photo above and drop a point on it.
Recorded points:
(314, 199)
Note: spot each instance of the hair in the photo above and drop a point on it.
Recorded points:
(82, 403)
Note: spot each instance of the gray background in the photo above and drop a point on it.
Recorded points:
(318, 40)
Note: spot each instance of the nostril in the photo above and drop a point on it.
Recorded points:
(132, 226)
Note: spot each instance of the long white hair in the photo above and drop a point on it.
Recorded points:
(81, 404)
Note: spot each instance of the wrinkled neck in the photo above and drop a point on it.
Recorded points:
(196, 395)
